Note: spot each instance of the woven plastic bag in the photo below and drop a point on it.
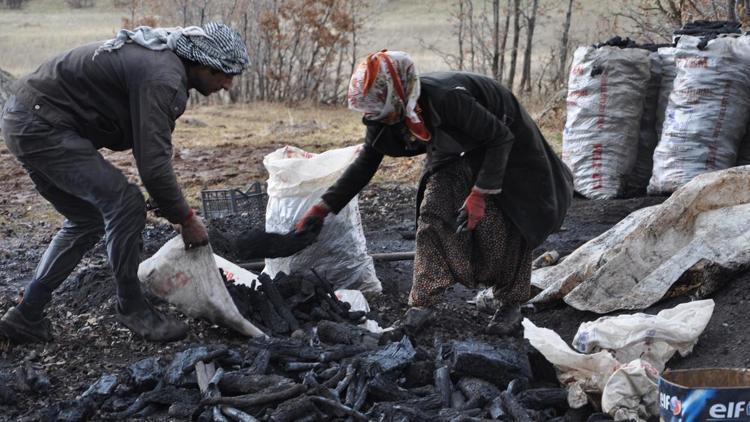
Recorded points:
(707, 112)
(297, 179)
(606, 91)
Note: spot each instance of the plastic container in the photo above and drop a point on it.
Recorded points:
(218, 203)
(708, 394)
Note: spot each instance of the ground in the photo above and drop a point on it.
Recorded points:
(89, 342)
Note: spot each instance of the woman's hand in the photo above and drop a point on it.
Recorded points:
(471, 212)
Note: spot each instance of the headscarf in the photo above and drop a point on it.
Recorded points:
(386, 84)
(214, 45)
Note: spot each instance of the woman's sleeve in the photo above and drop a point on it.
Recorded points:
(461, 112)
(355, 178)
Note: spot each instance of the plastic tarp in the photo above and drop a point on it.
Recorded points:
(707, 112)
(606, 91)
(297, 180)
(703, 225)
(190, 280)
(621, 357)
(652, 338)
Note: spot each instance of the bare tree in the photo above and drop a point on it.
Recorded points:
(514, 48)
(732, 10)
(561, 76)
(503, 43)
(530, 26)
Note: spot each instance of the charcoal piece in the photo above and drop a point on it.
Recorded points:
(269, 315)
(423, 391)
(381, 388)
(392, 357)
(102, 388)
(149, 410)
(396, 412)
(181, 411)
(456, 415)
(458, 401)
(260, 362)
(558, 419)
(7, 394)
(416, 319)
(245, 382)
(419, 373)
(233, 358)
(290, 285)
(273, 295)
(542, 398)
(499, 365)
(351, 371)
(517, 385)
(496, 408)
(544, 414)
(327, 373)
(333, 381)
(145, 374)
(339, 409)
(295, 409)
(76, 410)
(289, 348)
(478, 392)
(301, 316)
(269, 395)
(217, 415)
(343, 333)
(356, 317)
(542, 370)
(185, 361)
(236, 414)
(444, 385)
(342, 352)
(514, 409)
(300, 366)
(29, 379)
(355, 389)
(161, 396)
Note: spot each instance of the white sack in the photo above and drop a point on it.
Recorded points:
(652, 338)
(606, 90)
(668, 73)
(704, 224)
(579, 373)
(297, 180)
(632, 392)
(190, 280)
(648, 136)
(707, 112)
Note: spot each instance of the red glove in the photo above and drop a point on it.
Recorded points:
(313, 218)
(471, 212)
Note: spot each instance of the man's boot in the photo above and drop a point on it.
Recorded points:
(18, 329)
(147, 322)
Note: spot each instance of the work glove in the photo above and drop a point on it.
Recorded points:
(471, 212)
(313, 219)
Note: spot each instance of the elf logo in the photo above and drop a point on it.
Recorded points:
(671, 403)
(731, 410)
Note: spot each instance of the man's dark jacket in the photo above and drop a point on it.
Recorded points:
(474, 117)
(127, 98)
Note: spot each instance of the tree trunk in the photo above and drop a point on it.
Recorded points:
(732, 10)
(562, 70)
(472, 49)
(461, 35)
(514, 49)
(530, 25)
(495, 38)
(503, 43)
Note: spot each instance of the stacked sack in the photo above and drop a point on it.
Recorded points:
(707, 113)
(606, 92)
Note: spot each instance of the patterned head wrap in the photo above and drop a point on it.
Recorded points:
(385, 86)
(215, 45)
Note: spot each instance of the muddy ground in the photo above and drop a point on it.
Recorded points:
(88, 342)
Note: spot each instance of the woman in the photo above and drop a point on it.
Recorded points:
(492, 188)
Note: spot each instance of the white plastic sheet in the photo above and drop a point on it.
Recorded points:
(606, 91)
(580, 373)
(632, 392)
(705, 224)
(190, 280)
(707, 113)
(297, 180)
(652, 338)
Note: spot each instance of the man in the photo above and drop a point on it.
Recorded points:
(124, 94)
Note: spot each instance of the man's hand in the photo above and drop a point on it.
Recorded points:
(471, 212)
(313, 219)
(194, 233)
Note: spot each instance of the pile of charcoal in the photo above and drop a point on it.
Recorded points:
(329, 375)
(287, 303)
